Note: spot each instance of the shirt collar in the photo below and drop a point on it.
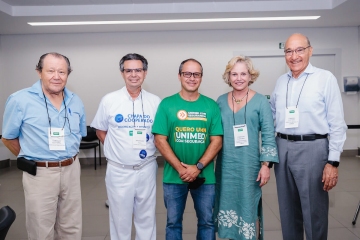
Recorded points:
(127, 94)
(308, 70)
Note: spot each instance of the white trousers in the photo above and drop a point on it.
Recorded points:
(132, 192)
(53, 203)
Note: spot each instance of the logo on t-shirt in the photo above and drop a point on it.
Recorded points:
(182, 115)
(142, 154)
(119, 118)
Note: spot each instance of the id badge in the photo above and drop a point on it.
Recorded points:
(291, 117)
(56, 139)
(139, 138)
(241, 135)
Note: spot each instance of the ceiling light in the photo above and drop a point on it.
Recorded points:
(174, 21)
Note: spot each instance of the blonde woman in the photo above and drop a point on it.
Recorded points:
(243, 166)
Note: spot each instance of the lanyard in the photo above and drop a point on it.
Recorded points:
(142, 107)
(287, 89)
(247, 94)
(47, 110)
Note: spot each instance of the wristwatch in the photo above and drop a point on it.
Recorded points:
(268, 164)
(334, 163)
(200, 166)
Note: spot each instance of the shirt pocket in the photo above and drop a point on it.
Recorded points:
(74, 121)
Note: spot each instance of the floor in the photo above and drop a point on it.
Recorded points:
(343, 202)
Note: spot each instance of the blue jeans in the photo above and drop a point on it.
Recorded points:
(175, 200)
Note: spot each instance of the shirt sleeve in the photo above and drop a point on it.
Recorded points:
(268, 151)
(83, 129)
(12, 119)
(335, 118)
(216, 128)
(100, 121)
(272, 103)
(161, 123)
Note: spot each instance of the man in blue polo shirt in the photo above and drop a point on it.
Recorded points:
(44, 124)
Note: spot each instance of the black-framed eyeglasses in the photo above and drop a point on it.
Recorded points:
(298, 51)
(189, 74)
(136, 70)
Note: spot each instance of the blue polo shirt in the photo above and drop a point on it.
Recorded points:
(25, 117)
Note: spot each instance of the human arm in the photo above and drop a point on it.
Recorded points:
(13, 145)
(335, 118)
(212, 150)
(101, 135)
(268, 151)
(100, 121)
(164, 148)
(337, 130)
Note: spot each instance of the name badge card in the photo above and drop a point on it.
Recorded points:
(139, 138)
(291, 117)
(56, 139)
(241, 135)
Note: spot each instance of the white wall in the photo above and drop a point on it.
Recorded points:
(95, 56)
(4, 153)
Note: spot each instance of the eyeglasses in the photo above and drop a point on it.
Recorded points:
(136, 70)
(189, 74)
(235, 75)
(298, 51)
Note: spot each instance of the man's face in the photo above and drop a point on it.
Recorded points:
(133, 74)
(54, 74)
(297, 62)
(190, 84)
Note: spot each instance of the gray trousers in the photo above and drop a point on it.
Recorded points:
(302, 201)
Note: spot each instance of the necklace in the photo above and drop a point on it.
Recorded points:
(238, 101)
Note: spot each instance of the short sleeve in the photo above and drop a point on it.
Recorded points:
(12, 119)
(100, 121)
(83, 129)
(161, 122)
(216, 128)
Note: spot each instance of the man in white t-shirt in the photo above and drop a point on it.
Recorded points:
(124, 122)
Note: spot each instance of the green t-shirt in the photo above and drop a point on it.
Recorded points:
(188, 127)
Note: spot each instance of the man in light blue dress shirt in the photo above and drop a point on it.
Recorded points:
(43, 126)
(311, 131)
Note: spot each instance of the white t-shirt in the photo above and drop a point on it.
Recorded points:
(118, 114)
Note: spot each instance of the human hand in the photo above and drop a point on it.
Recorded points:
(264, 175)
(329, 177)
(190, 173)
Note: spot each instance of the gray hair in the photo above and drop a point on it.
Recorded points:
(133, 56)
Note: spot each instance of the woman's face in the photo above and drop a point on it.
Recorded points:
(239, 76)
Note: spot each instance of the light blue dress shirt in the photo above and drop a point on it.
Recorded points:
(319, 104)
(25, 117)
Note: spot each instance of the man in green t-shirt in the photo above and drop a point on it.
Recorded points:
(188, 133)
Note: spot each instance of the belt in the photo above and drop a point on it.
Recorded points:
(62, 163)
(307, 137)
(134, 167)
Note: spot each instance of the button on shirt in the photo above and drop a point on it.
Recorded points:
(118, 114)
(320, 106)
(25, 117)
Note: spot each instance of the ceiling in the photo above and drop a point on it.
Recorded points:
(14, 14)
